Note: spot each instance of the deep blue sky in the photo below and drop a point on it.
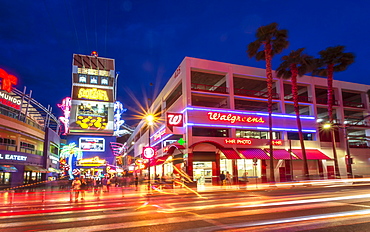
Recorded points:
(148, 39)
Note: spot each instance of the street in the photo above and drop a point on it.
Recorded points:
(282, 208)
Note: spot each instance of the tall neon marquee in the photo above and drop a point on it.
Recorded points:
(66, 107)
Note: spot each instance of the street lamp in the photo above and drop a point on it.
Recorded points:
(149, 118)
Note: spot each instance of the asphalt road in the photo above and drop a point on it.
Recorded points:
(323, 208)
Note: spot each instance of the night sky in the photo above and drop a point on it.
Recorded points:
(149, 39)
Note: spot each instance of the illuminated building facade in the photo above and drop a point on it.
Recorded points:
(29, 137)
(214, 118)
(89, 114)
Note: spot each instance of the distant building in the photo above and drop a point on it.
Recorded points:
(220, 111)
(29, 137)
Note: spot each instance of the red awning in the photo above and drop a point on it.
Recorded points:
(173, 147)
(250, 153)
(281, 154)
(230, 153)
(311, 154)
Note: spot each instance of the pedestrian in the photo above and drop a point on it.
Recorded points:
(97, 184)
(222, 178)
(136, 182)
(83, 187)
(108, 183)
(228, 179)
(104, 182)
(76, 186)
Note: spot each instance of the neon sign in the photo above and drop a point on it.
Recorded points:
(8, 80)
(239, 141)
(233, 118)
(91, 162)
(95, 72)
(175, 119)
(11, 101)
(159, 134)
(140, 164)
(93, 94)
(13, 157)
(277, 142)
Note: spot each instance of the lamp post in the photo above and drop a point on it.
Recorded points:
(150, 121)
(348, 155)
(332, 134)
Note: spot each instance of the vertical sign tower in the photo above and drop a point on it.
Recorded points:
(91, 122)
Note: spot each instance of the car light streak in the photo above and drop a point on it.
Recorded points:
(299, 219)
(329, 199)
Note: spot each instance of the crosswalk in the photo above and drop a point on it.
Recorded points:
(218, 211)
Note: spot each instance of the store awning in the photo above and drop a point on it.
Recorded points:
(30, 168)
(35, 169)
(53, 170)
(281, 154)
(311, 154)
(8, 168)
(230, 153)
(250, 153)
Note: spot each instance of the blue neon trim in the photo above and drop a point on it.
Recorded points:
(247, 113)
(249, 127)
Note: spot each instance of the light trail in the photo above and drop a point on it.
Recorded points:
(328, 199)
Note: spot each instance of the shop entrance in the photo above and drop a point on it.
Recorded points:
(202, 172)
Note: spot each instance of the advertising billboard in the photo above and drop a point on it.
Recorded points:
(92, 144)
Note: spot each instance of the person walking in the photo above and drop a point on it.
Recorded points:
(76, 186)
(136, 182)
(222, 178)
(83, 187)
(104, 182)
(228, 179)
(97, 185)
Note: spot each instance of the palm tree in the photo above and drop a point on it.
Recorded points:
(293, 65)
(333, 59)
(270, 41)
(68, 152)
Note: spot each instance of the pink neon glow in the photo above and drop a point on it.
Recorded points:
(66, 107)
(233, 118)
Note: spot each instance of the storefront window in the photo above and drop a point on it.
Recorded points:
(210, 132)
(5, 178)
(295, 136)
(256, 134)
(245, 168)
(202, 172)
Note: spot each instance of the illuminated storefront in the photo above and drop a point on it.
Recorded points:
(218, 111)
